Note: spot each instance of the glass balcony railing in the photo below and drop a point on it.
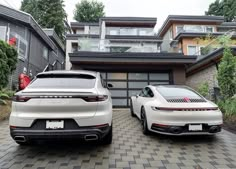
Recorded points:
(98, 45)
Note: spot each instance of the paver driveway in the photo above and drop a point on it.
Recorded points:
(130, 149)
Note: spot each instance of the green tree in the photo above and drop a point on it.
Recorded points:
(227, 74)
(48, 14)
(8, 60)
(226, 8)
(86, 11)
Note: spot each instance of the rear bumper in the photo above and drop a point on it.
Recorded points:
(29, 134)
(183, 130)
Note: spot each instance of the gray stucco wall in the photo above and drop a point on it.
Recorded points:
(206, 75)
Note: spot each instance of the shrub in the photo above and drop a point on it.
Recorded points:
(203, 89)
(228, 107)
(3, 97)
(8, 60)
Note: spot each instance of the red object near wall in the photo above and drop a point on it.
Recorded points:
(24, 81)
(12, 41)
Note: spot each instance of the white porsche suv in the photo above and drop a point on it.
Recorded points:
(62, 104)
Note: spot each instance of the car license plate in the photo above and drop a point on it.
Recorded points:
(195, 127)
(54, 124)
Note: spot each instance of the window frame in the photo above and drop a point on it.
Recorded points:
(4, 30)
(45, 49)
(196, 47)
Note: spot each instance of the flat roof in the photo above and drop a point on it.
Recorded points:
(82, 24)
(200, 19)
(149, 22)
(131, 57)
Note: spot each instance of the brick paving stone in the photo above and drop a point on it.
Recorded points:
(130, 150)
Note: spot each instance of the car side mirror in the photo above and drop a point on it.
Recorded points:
(137, 95)
(109, 85)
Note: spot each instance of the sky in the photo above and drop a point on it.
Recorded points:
(138, 8)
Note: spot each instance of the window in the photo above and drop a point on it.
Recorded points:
(142, 32)
(179, 29)
(192, 50)
(20, 43)
(171, 33)
(194, 28)
(128, 31)
(209, 29)
(177, 92)
(103, 82)
(45, 52)
(146, 92)
(64, 82)
(3, 30)
(113, 32)
(75, 47)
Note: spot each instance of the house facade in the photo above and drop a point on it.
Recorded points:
(180, 34)
(127, 53)
(38, 50)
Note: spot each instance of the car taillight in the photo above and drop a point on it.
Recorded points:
(183, 109)
(98, 98)
(18, 98)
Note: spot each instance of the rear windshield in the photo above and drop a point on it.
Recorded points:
(64, 82)
(177, 92)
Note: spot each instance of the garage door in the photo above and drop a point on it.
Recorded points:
(128, 84)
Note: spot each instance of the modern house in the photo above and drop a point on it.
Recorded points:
(127, 52)
(38, 50)
(180, 34)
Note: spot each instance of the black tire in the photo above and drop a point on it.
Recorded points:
(131, 108)
(144, 122)
(108, 138)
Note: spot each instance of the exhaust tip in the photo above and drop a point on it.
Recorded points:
(176, 130)
(20, 138)
(91, 137)
(214, 129)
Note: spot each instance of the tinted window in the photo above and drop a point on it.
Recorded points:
(64, 82)
(147, 92)
(177, 92)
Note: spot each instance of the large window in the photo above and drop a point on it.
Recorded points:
(3, 30)
(20, 43)
(192, 50)
(194, 28)
(64, 82)
(176, 92)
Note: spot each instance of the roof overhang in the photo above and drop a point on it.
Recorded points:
(207, 61)
(27, 20)
(129, 21)
(187, 19)
(182, 35)
(82, 24)
(130, 58)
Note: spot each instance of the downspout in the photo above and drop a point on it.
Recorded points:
(29, 47)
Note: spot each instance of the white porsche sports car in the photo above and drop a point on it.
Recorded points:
(175, 110)
(62, 105)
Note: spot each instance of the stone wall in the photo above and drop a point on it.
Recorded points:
(206, 75)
